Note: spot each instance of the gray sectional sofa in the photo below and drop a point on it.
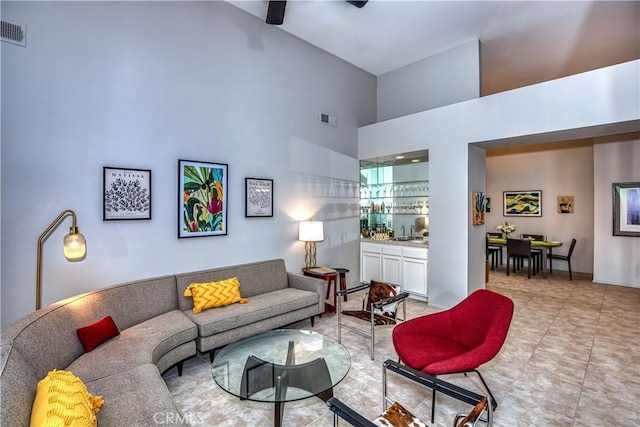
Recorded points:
(158, 330)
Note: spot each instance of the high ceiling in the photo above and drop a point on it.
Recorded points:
(523, 42)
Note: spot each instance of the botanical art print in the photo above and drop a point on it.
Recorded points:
(127, 194)
(626, 209)
(203, 199)
(258, 197)
(523, 203)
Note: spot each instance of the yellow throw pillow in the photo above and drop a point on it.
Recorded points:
(214, 294)
(62, 399)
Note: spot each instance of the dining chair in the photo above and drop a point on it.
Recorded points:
(495, 252)
(538, 253)
(518, 250)
(566, 257)
(496, 248)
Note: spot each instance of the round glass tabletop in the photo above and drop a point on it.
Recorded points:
(281, 365)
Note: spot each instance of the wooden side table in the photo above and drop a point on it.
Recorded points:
(330, 278)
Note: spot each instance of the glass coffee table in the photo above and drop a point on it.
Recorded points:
(281, 366)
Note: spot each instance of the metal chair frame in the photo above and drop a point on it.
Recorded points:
(479, 402)
(401, 297)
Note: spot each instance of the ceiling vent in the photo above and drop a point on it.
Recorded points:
(14, 33)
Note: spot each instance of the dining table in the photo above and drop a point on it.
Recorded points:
(546, 245)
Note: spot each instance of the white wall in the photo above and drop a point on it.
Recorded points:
(616, 258)
(446, 78)
(143, 84)
(588, 104)
(562, 169)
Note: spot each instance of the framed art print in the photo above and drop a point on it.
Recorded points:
(202, 197)
(126, 193)
(477, 207)
(626, 209)
(258, 197)
(522, 203)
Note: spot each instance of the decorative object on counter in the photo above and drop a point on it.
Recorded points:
(523, 203)
(258, 200)
(379, 236)
(422, 225)
(565, 204)
(626, 209)
(75, 248)
(203, 199)
(126, 194)
(506, 229)
(477, 207)
(310, 232)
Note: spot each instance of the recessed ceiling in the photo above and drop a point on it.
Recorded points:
(523, 42)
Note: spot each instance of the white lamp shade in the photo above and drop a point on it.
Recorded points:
(311, 231)
(75, 246)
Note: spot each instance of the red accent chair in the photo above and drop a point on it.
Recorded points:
(456, 340)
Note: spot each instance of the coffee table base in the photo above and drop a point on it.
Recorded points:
(259, 375)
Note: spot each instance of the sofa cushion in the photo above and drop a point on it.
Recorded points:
(134, 398)
(95, 334)
(215, 294)
(138, 345)
(260, 307)
(256, 278)
(62, 399)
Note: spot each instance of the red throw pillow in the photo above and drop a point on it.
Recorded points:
(95, 334)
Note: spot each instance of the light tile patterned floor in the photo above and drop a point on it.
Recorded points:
(572, 358)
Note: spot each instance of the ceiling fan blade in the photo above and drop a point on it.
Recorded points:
(275, 12)
(358, 4)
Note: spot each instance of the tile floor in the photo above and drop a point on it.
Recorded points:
(572, 358)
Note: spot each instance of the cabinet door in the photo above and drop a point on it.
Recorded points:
(391, 269)
(371, 266)
(414, 275)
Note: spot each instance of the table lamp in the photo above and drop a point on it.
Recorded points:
(75, 248)
(310, 232)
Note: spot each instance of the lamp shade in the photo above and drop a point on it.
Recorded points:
(311, 231)
(75, 245)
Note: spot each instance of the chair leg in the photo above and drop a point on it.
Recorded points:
(433, 406)
(494, 402)
(570, 275)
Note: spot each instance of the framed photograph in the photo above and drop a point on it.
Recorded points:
(522, 203)
(487, 206)
(626, 209)
(202, 198)
(126, 193)
(477, 207)
(565, 204)
(258, 193)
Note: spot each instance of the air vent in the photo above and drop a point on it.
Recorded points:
(328, 120)
(14, 33)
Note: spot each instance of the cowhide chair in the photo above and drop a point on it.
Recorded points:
(379, 307)
(397, 415)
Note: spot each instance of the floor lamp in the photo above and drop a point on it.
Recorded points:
(310, 232)
(75, 248)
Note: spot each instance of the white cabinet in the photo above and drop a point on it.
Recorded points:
(414, 270)
(392, 264)
(371, 262)
(403, 265)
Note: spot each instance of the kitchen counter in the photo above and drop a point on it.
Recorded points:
(417, 243)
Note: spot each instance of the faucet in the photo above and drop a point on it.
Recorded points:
(412, 228)
(402, 227)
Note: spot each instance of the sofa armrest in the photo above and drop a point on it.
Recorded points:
(310, 284)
